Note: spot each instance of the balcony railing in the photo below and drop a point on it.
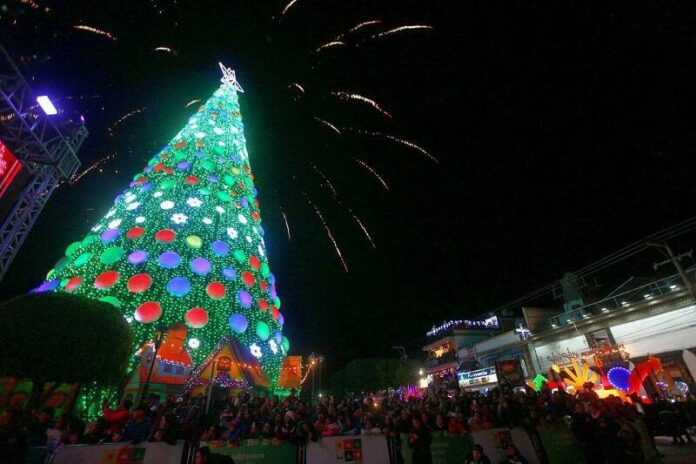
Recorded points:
(637, 295)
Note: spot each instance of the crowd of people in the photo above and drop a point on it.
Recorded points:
(609, 430)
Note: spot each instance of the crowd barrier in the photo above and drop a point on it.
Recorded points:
(549, 444)
(119, 453)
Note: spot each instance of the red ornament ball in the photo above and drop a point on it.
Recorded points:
(248, 278)
(148, 312)
(180, 145)
(165, 236)
(196, 318)
(192, 180)
(263, 304)
(274, 312)
(254, 262)
(264, 285)
(73, 284)
(106, 279)
(139, 283)
(215, 290)
(158, 167)
(135, 232)
(169, 171)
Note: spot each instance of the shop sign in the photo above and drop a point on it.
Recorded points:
(480, 376)
(562, 357)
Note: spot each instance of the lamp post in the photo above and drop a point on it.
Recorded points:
(162, 330)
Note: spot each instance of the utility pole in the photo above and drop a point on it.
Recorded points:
(676, 261)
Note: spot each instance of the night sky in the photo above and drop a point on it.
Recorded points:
(563, 132)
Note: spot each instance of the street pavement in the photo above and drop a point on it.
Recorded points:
(675, 454)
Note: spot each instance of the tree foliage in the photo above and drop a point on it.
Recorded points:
(57, 337)
(373, 374)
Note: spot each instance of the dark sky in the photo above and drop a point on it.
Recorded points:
(564, 132)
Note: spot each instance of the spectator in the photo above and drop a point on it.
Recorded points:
(419, 440)
(167, 430)
(138, 428)
(477, 456)
(513, 456)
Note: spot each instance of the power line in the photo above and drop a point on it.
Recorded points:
(609, 260)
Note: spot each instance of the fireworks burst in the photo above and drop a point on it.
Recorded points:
(310, 91)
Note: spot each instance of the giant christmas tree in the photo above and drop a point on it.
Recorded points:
(184, 243)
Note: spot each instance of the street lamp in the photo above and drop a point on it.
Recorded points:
(159, 338)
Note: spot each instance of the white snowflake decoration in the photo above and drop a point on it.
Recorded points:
(132, 206)
(140, 219)
(179, 218)
(207, 220)
(157, 194)
(194, 202)
(220, 209)
(166, 204)
(274, 346)
(248, 239)
(255, 350)
(242, 219)
(114, 224)
(232, 233)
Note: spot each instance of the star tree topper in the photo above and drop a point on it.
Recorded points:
(229, 78)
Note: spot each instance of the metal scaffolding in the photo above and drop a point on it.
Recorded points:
(46, 153)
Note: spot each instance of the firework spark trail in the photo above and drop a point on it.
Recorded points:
(165, 49)
(396, 30)
(95, 31)
(287, 226)
(192, 102)
(393, 139)
(124, 117)
(374, 173)
(359, 222)
(94, 166)
(328, 124)
(326, 179)
(364, 229)
(333, 43)
(345, 96)
(287, 7)
(359, 26)
(328, 232)
(297, 86)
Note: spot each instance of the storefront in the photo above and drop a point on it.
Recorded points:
(671, 337)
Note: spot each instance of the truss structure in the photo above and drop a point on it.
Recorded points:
(48, 153)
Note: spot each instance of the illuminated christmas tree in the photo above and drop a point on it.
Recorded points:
(184, 243)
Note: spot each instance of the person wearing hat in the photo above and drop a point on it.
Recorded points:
(477, 456)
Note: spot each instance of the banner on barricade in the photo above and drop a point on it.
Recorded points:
(118, 453)
(258, 452)
(560, 445)
(450, 449)
(445, 448)
(348, 449)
